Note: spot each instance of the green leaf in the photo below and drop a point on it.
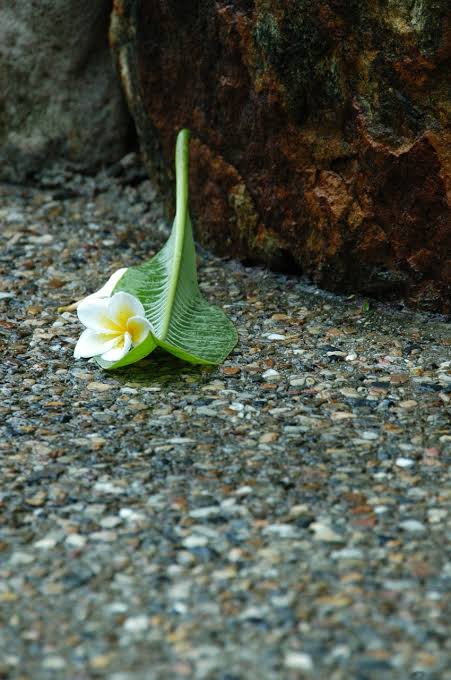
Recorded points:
(182, 321)
(135, 354)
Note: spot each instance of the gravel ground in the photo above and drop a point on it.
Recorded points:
(284, 515)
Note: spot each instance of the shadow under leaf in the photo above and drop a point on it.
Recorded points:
(160, 368)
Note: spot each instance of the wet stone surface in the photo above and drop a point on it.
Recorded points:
(284, 515)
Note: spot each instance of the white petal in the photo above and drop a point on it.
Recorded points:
(94, 314)
(122, 347)
(139, 329)
(122, 306)
(92, 343)
(109, 286)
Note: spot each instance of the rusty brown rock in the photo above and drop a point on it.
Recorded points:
(320, 132)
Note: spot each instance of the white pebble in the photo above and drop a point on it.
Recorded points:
(76, 541)
(297, 382)
(412, 525)
(195, 541)
(281, 530)
(136, 624)
(404, 462)
(110, 522)
(368, 435)
(436, 515)
(244, 491)
(108, 487)
(131, 515)
(270, 373)
(103, 536)
(21, 558)
(46, 543)
(54, 663)
(325, 533)
(207, 511)
(380, 509)
(14, 216)
(347, 554)
(299, 661)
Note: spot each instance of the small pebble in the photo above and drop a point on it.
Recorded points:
(404, 462)
(76, 541)
(98, 387)
(408, 404)
(322, 532)
(195, 542)
(136, 624)
(299, 661)
(412, 525)
(271, 374)
(54, 663)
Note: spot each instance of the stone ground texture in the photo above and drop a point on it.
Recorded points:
(284, 515)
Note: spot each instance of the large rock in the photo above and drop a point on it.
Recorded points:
(59, 94)
(320, 140)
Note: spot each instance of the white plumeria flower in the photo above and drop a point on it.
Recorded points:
(107, 289)
(103, 292)
(113, 326)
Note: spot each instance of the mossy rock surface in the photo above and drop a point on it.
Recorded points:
(320, 132)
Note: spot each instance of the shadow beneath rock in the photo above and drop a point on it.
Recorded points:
(161, 368)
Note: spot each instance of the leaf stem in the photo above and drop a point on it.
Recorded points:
(181, 173)
(181, 216)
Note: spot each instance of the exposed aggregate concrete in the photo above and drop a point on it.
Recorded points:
(285, 515)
